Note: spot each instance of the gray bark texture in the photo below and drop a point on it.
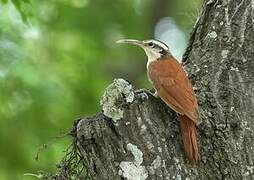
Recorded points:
(137, 137)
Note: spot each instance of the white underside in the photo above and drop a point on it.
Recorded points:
(151, 56)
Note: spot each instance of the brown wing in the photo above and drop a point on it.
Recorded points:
(174, 87)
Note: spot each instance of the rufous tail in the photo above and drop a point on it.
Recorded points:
(189, 136)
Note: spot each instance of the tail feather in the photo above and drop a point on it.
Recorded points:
(189, 136)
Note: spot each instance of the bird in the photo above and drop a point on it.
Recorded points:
(172, 85)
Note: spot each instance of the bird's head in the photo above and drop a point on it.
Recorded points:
(154, 49)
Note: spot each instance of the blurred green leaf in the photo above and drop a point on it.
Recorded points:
(4, 1)
(17, 4)
(23, 10)
(27, 1)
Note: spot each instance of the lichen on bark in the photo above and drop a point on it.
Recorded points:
(115, 96)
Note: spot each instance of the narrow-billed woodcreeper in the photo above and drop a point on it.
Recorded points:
(173, 86)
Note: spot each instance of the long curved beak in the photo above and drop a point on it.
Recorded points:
(131, 41)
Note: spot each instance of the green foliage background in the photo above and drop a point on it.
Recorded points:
(56, 58)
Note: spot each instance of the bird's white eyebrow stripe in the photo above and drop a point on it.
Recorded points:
(160, 44)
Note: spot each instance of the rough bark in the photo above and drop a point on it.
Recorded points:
(137, 136)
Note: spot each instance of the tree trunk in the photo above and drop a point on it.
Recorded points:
(137, 136)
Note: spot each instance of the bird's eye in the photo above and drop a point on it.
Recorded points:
(151, 44)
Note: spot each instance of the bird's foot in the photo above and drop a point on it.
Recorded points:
(156, 94)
